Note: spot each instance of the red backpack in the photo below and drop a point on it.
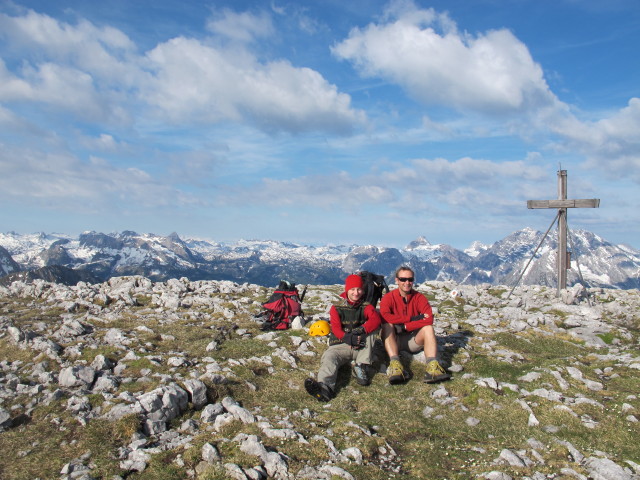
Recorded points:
(284, 304)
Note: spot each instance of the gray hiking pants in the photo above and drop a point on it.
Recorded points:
(338, 355)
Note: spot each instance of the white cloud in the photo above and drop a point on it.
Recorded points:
(96, 72)
(59, 179)
(241, 26)
(57, 37)
(66, 88)
(12, 87)
(193, 80)
(7, 118)
(298, 12)
(467, 186)
(102, 143)
(74, 68)
(340, 190)
(423, 52)
(99, 51)
(611, 144)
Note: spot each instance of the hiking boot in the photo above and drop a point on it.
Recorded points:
(435, 373)
(396, 372)
(318, 390)
(361, 374)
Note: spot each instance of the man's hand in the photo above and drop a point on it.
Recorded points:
(415, 318)
(356, 341)
(358, 331)
(361, 334)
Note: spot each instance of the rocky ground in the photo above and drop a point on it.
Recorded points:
(136, 379)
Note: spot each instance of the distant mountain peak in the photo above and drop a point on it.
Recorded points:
(476, 248)
(421, 241)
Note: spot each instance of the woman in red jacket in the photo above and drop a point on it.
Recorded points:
(408, 326)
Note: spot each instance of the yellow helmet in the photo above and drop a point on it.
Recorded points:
(319, 328)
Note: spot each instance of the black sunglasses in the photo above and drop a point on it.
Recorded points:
(408, 279)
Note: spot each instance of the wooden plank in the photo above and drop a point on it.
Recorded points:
(577, 203)
(588, 203)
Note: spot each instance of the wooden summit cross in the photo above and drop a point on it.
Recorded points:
(563, 261)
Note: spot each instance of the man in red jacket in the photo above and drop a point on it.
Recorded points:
(408, 326)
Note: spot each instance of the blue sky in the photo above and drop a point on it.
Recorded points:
(368, 122)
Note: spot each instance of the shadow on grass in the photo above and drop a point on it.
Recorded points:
(449, 345)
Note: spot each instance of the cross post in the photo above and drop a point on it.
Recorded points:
(563, 262)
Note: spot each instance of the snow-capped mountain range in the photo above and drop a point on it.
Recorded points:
(97, 256)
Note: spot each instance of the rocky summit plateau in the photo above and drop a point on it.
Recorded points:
(132, 378)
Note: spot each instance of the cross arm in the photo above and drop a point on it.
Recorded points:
(577, 203)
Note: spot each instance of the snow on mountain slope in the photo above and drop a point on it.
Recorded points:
(25, 248)
(422, 249)
(267, 249)
(476, 248)
(266, 261)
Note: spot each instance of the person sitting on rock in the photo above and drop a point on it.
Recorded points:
(408, 326)
(352, 337)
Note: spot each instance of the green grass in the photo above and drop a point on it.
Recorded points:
(607, 337)
(51, 439)
(558, 313)
(538, 347)
(453, 307)
(497, 292)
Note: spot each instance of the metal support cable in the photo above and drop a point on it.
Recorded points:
(534, 254)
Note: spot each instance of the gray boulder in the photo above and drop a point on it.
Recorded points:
(605, 469)
(77, 376)
(211, 411)
(197, 391)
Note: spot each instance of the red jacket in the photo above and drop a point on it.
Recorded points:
(398, 310)
(371, 315)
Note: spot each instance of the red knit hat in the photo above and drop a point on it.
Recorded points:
(352, 281)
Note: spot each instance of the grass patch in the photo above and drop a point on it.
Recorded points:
(485, 366)
(627, 382)
(497, 292)
(51, 438)
(454, 307)
(143, 300)
(240, 348)
(535, 348)
(607, 337)
(109, 352)
(161, 467)
(11, 351)
(558, 313)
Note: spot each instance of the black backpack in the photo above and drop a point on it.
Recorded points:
(374, 287)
